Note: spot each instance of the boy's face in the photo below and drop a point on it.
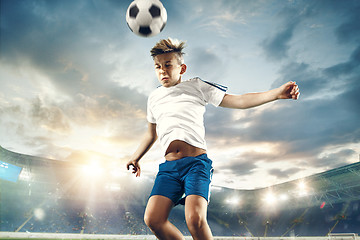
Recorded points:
(168, 70)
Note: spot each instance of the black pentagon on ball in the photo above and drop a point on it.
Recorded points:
(155, 11)
(133, 12)
(145, 30)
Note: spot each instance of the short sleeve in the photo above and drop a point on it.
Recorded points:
(213, 93)
(149, 115)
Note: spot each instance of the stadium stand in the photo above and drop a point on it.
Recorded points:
(54, 197)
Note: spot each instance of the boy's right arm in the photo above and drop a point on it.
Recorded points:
(146, 143)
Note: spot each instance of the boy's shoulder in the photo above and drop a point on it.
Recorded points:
(193, 83)
(185, 84)
(194, 79)
(206, 84)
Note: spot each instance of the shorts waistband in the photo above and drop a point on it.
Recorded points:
(201, 156)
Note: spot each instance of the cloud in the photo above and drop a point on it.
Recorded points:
(238, 165)
(284, 174)
(294, 18)
(206, 62)
(51, 118)
(209, 19)
(347, 67)
(276, 47)
(68, 42)
(349, 30)
(332, 159)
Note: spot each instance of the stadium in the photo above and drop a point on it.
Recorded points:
(50, 199)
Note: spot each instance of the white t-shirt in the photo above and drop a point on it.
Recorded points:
(178, 111)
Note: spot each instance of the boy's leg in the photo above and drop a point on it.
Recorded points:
(156, 218)
(195, 215)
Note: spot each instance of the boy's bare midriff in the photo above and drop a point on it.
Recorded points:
(179, 149)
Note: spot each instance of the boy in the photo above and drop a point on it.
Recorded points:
(175, 115)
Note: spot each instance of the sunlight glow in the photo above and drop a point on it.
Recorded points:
(113, 187)
(93, 170)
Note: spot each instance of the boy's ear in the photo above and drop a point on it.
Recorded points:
(183, 68)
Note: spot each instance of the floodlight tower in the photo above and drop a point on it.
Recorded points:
(244, 223)
(267, 224)
(340, 216)
(296, 221)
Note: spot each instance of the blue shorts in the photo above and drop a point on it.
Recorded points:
(188, 175)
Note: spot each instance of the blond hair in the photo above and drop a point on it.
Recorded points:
(167, 46)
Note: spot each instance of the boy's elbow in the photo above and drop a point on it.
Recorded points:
(233, 106)
(151, 137)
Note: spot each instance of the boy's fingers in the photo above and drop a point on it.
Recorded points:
(297, 94)
(129, 165)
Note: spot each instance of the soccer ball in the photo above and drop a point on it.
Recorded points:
(146, 18)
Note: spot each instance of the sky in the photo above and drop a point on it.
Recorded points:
(74, 82)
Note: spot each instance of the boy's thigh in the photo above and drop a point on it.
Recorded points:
(158, 208)
(195, 206)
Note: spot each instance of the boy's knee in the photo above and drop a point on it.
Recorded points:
(148, 220)
(195, 221)
(152, 222)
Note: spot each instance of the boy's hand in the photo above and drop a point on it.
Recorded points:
(135, 167)
(289, 90)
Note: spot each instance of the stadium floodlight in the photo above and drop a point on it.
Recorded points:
(302, 189)
(234, 201)
(301, 185)
(270, 198)
(284, 197)
(302, 193)
(39, 214)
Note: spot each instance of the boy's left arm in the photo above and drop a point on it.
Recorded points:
(289, 90)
